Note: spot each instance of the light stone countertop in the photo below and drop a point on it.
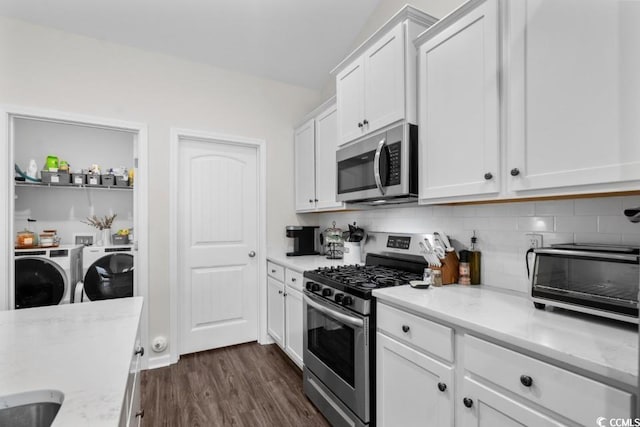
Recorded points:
(83, 350)
(600, 346)
(303, 263)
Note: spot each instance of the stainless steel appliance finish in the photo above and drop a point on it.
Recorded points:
(339, 329)
(382, 168)
(595, 279)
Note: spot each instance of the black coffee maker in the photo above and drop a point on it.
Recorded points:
(305, 239)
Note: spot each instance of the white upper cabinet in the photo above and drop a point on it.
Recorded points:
(305, 185)
(458, 112)
(573, 87)
(350, 92)
(376, 84)
(326, 167)
(384, 97)
(316, 141)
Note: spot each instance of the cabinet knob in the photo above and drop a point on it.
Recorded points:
(273, 271)
(442, 386)
(140, 413)
(284, 294)
(310, 200)
(405, 328)
(360, 125)
(467, 402)
(488, 176)
(293, 279)
(140, 351)
(526, 380)
(515, 172)
(280, 292)
(315, 200)
(365, 122)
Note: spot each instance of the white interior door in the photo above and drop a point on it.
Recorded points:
(217, 238)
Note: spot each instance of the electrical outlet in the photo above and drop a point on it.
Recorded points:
(534, 240)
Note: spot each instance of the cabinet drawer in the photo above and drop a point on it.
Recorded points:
(425, 334)
(576, 397)
(294, 279)
(276, 271)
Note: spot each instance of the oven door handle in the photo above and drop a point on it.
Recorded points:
(376, 166)
(353, 321)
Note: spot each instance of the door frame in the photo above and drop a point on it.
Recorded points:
(177, 134)
(140, 196)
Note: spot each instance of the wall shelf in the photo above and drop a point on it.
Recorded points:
(73, 186)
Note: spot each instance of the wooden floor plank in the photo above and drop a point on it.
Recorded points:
(243, 385)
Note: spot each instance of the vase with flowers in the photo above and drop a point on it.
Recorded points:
(104, 226)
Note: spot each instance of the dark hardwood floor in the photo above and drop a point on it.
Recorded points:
(242, 385)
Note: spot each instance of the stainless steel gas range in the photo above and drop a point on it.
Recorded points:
(339, 328)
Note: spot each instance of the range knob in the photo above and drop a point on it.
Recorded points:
(315, 287)
(326, 292)
(347, 300)
(338, 298)
(308, 285)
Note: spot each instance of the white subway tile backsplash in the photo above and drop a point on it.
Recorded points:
(599, 206)
(501, 228)
(584, 224)
(617, 224)
(554, 207)
(536, 223)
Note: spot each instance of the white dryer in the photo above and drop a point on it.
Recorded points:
(46, 276)
(107, 273)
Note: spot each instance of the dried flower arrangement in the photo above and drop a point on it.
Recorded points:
(100, 223)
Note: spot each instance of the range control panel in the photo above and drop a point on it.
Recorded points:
(399, 242)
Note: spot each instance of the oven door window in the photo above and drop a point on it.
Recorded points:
(333, 342)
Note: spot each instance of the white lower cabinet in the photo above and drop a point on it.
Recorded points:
(132, 413)
(485, 384)
(412, 388)
(285, 310)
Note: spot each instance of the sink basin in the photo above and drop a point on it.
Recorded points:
(31, 409)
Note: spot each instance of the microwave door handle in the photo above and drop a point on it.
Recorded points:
(376, 166)
(353, 321)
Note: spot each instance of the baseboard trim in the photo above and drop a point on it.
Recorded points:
(159, 361)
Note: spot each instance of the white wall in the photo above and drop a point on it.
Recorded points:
(501, 228)
(46, 68)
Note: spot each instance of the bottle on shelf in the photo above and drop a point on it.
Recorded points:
(474, 261)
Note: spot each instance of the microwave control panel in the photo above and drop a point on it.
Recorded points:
(394, 164)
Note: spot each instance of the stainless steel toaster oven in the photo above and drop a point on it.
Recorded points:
(595, 279)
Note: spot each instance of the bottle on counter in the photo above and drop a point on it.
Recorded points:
(465, 277)
(474, 261)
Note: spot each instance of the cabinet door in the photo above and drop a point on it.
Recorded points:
(275, 310)
(573, 95)
(407, 387)
(293, 329)
(350, 99)
(384, 93)
(459, 109)
(305, 166)
(326, 170)
(488, 408)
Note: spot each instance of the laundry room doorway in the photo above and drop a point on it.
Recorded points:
(75, 180)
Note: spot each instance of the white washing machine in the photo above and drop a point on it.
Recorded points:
(47, 276)
(107, 273)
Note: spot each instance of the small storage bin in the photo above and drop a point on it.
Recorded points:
(78, 178)
(58, 178)
(117, 239)
(122, 181)
(93, 179)
(108, 180)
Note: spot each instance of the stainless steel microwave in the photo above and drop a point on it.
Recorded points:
(382, 168)
(595, 279)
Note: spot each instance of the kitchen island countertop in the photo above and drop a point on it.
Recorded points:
(82, 350)
(604, 347)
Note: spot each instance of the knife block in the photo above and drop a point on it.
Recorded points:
(450, 268)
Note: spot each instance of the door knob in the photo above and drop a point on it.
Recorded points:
(252, 254)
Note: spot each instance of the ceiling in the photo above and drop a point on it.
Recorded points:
(292, 41)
